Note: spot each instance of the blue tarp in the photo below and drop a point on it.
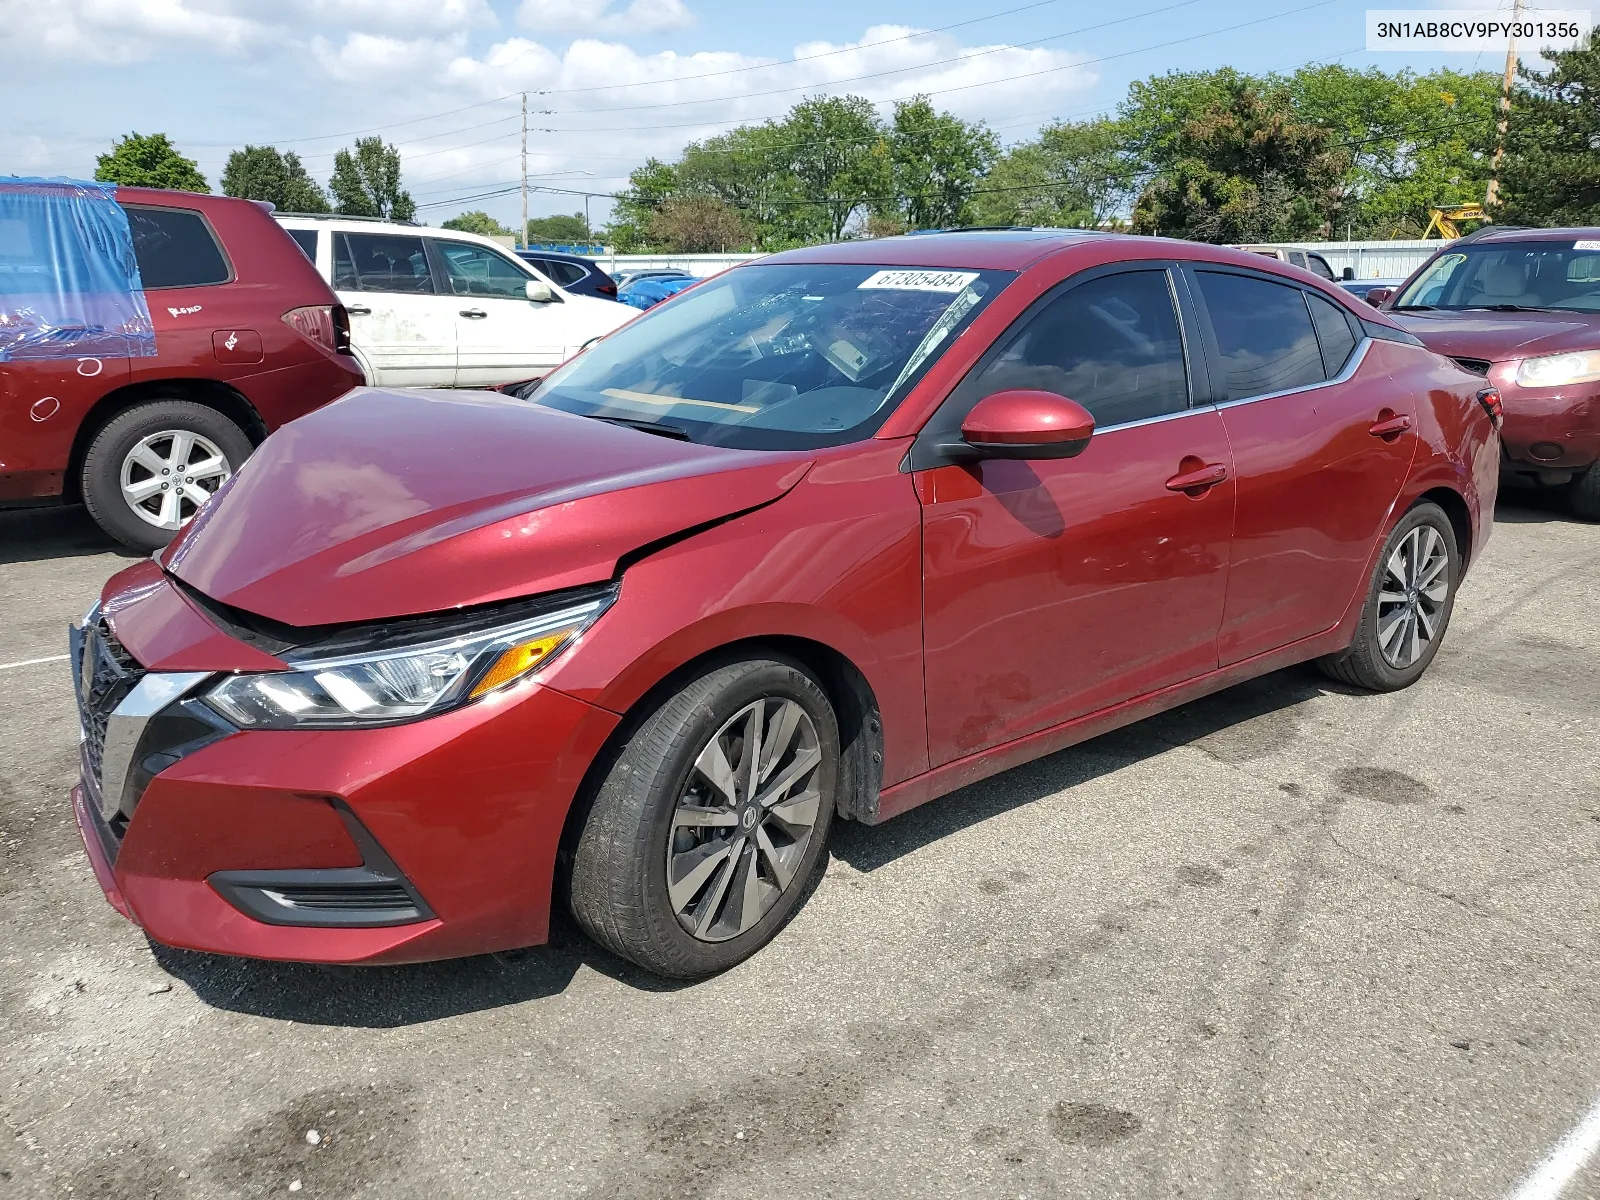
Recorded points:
(69, 282)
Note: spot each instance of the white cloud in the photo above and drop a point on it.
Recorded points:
(393, 16)
(119, 31)
(599, 16)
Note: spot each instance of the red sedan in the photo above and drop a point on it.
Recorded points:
(823, 538)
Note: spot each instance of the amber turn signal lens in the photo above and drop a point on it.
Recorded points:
(516, 661)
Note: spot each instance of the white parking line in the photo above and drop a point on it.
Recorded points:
(1565, 1161)
(34, 662)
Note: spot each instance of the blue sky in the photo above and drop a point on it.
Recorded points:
(622, 79)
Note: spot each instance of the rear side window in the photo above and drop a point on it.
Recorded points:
(1338, 340)
(1264, 334)
(564, 273)
(1318, 265)
(380, 262)
(306, 239)
(1112, 344)
(175, 248)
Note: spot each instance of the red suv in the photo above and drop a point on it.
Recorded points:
(1522, 307)
(223, 333)
(826, 536)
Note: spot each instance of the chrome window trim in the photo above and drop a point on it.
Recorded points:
(1344, 376)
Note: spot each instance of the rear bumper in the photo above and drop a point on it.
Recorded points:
(466, 809)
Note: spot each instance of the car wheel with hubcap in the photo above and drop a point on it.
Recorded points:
(151, 468)
(1408, 607)
(708, 828)
(1584, 493)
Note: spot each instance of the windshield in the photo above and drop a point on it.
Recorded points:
(775, 357)
(1511, 275)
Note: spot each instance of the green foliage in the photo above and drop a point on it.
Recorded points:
(149, 160)
(1076, 175)
(1244, 169)
(366, 182)
(477, 222)
(559, 228)
(936, 162)
(265, 173)
(1551, 173)
(698, 225)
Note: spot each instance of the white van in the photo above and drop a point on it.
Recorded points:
(438, 308)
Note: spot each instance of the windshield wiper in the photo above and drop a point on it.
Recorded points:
(1412, 308)
(1517, 308)
(660, 428)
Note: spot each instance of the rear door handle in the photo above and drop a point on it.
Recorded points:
(1389, 427)
(358, 310)
(1198, 481)
(475, 314)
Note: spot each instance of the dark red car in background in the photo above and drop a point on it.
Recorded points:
(1522, 307)
(826, 536)
(247, 336)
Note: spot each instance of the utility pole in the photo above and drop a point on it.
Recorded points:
(1492, 196)
(522, 230)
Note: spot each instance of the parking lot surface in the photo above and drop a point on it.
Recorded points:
(1286, 941)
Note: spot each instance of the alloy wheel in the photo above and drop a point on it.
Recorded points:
(167, 476)
(743, 820)
(1411, 599)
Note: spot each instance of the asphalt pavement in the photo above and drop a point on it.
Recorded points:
(1288, 941)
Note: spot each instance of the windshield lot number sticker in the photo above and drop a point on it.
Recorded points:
(920, 281)
(1586, 245)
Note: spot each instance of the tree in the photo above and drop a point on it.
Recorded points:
(649, 186)
(1075, 175)
(936, 163)
(839, 155)
(141, 160)
(1551, 173)
(698, 225)
(559, 228)
(478, 222)
(265, 173)
(366, 182)
(1246, 169)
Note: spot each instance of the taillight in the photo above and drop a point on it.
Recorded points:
(1490, 399)
(606, 289)
(317, 323)
(341, 329)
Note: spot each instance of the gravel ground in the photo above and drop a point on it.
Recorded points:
(1287, 941)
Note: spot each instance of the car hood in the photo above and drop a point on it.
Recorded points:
(392, 503)
(1499, 336)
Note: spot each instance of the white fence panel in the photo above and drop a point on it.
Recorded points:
(699, 265)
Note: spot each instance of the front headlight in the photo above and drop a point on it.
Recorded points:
(401, 684)
(1556, 369)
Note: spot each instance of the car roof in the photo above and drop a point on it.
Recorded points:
(368, 225)
(1571, 234)
(169, 198)
(562, 255)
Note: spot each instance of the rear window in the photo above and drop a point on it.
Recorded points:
(306, 239)
(175, 248)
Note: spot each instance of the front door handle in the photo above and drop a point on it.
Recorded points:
(474, 314)
(358, 310)
(1388, 426)
(1197, 480)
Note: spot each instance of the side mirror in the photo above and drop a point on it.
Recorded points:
(539, 291)
(1377, 296)
(1347, 274)
(1022, 423)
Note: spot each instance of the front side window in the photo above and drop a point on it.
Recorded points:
(1112, 344)
(1263, 332)
(380, 262)
(1511, 276)
(478, 271)
(787, 356)
(175, 248)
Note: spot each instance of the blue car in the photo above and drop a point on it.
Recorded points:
(647, 292)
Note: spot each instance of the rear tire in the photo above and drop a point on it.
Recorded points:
(682, 866)
(126, 460)
(1408, 605)
(1584, 494)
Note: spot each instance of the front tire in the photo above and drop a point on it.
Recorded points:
(710, 825)
(1584, 494)
(1408, 606)
(152, 467)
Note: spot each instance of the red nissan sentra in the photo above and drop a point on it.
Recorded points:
(822, 538)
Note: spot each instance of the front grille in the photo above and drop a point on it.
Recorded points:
(1478, 366)
(106, 674)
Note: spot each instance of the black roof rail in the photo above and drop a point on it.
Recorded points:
(348, 217)
(1485, 231)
